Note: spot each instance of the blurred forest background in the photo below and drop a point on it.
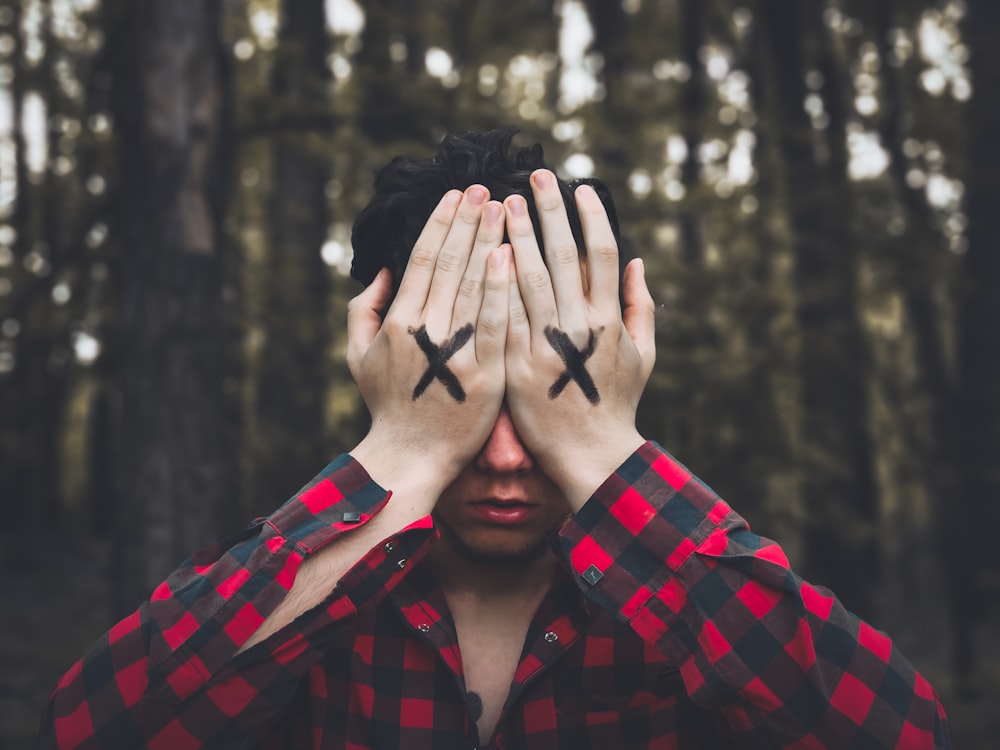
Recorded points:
(814, 185)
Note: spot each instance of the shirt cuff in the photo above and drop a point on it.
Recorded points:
(340, 498)
(639, 529)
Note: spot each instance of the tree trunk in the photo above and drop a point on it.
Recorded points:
(40, 389)
(838, 475)
(173, 473)
(918, 272)
(979, 333)
(692, 110)
(293, 366)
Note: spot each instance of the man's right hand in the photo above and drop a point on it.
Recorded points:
(432, 371)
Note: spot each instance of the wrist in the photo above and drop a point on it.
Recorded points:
(580, 471)
(406, 471)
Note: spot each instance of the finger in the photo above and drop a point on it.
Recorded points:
(416, 282)
(491, 329)
(453, 258)
(562, 256)
(533, 281)
(518, 329)
(364, 317)
(469, 301)
(602, 249)
(639, 312)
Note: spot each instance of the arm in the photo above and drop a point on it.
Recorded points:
(168, 675)
(782, 661)
(219, 649)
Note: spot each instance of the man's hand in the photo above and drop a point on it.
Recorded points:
(432, 372)
(576, 366)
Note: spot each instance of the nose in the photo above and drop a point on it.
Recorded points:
(504, 452)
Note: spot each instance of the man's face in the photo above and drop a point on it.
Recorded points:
(501, 506)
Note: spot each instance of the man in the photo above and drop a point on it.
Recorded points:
(409, 598)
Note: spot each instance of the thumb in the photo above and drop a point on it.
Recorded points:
(638, 314)
(364, 317)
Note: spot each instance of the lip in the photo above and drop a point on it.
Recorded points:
(503, 512)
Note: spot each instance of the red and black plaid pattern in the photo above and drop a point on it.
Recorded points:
(689, 632)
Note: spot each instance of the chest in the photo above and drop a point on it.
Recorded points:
(401, 685)
(490, 657)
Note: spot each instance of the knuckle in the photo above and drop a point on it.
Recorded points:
(469, 288)
(606, 251)
(442, 219)
(537, 279)
(422, 257)
(521, 228)
(394, 327)
(489, 234)
(494, 284)
(518, 315)
(564, 254)
(489, 326)
(549, 204)
(448, 261)
(468, 218)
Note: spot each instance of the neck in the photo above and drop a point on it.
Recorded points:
(484, 582)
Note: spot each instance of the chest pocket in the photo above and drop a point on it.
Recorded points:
(632, 688)
(648, 717)
(619, 692)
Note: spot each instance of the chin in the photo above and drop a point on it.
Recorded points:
(492, 552)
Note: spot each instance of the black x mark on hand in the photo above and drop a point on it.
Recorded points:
(437, 358)
(574, 360)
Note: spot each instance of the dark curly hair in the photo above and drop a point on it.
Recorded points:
(407, 190)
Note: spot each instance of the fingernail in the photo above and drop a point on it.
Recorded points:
(586, 192)
(492, 211)
(517, 205)
(543, 179)
(452, 198)
(499, 256)
(477, 195)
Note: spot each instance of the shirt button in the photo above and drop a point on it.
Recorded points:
(551, 637)
(401, 564)
(592, 575)
(423, 627)
(352, 517)
(389, 546)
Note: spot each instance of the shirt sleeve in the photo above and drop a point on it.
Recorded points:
(781, 660)
(169, 675)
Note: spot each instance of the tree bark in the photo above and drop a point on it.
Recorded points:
(978, 332)
(837, 462)
(918, 271)
(174, 475)
(40, 389)
(692, 110)
(293, 369)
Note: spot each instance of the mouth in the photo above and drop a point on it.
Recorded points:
(503, 512)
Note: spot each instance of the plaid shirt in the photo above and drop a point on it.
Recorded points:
(673, 627)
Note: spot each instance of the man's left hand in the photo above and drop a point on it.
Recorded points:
(576, 365)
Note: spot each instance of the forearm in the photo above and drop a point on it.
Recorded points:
(322, 570)
(176, 658)
(783, 658)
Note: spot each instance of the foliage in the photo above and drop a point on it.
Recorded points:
(803, 195)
